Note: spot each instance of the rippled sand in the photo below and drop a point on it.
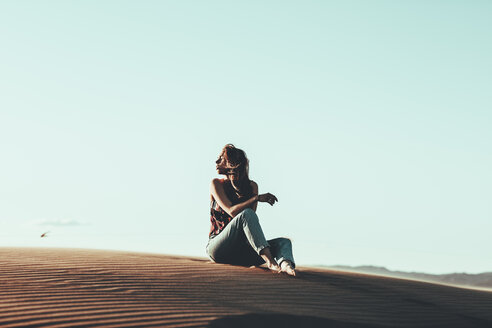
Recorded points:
(86, 288)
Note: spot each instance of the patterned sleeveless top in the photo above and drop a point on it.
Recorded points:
(219, 218)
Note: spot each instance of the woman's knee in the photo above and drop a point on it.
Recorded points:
(287, 241)
(248, 214)
(283, 241)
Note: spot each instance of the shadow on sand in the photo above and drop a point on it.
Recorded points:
(260, 320)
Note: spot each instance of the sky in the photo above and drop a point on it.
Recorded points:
(369, 121)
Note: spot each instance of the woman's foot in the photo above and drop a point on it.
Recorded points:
(273, 266)
(286, 266)
(269, 260)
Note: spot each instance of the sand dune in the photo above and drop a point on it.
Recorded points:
(75, 288)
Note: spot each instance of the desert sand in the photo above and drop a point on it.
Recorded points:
(84, 288)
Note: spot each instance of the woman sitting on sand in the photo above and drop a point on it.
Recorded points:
(236, 236)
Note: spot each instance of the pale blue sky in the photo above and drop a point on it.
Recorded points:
(369, 120)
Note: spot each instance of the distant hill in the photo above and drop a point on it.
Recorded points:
(464, 279)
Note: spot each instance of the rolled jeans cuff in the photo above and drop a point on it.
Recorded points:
(281, 259)
(261, 247)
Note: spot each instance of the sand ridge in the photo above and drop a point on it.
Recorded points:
(75, 287)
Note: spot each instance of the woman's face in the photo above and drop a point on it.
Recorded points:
(221, 164)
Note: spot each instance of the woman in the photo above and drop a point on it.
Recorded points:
(236, 236)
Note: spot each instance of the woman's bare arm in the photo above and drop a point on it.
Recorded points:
(254, 185)
(217, 191)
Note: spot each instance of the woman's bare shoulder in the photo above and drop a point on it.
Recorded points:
(217, 183)
(254, 185)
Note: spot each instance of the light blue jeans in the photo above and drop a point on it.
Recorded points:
(242, 240)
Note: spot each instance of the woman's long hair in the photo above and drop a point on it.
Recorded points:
(238, 169)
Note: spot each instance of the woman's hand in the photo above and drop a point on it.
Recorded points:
(267, 198)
